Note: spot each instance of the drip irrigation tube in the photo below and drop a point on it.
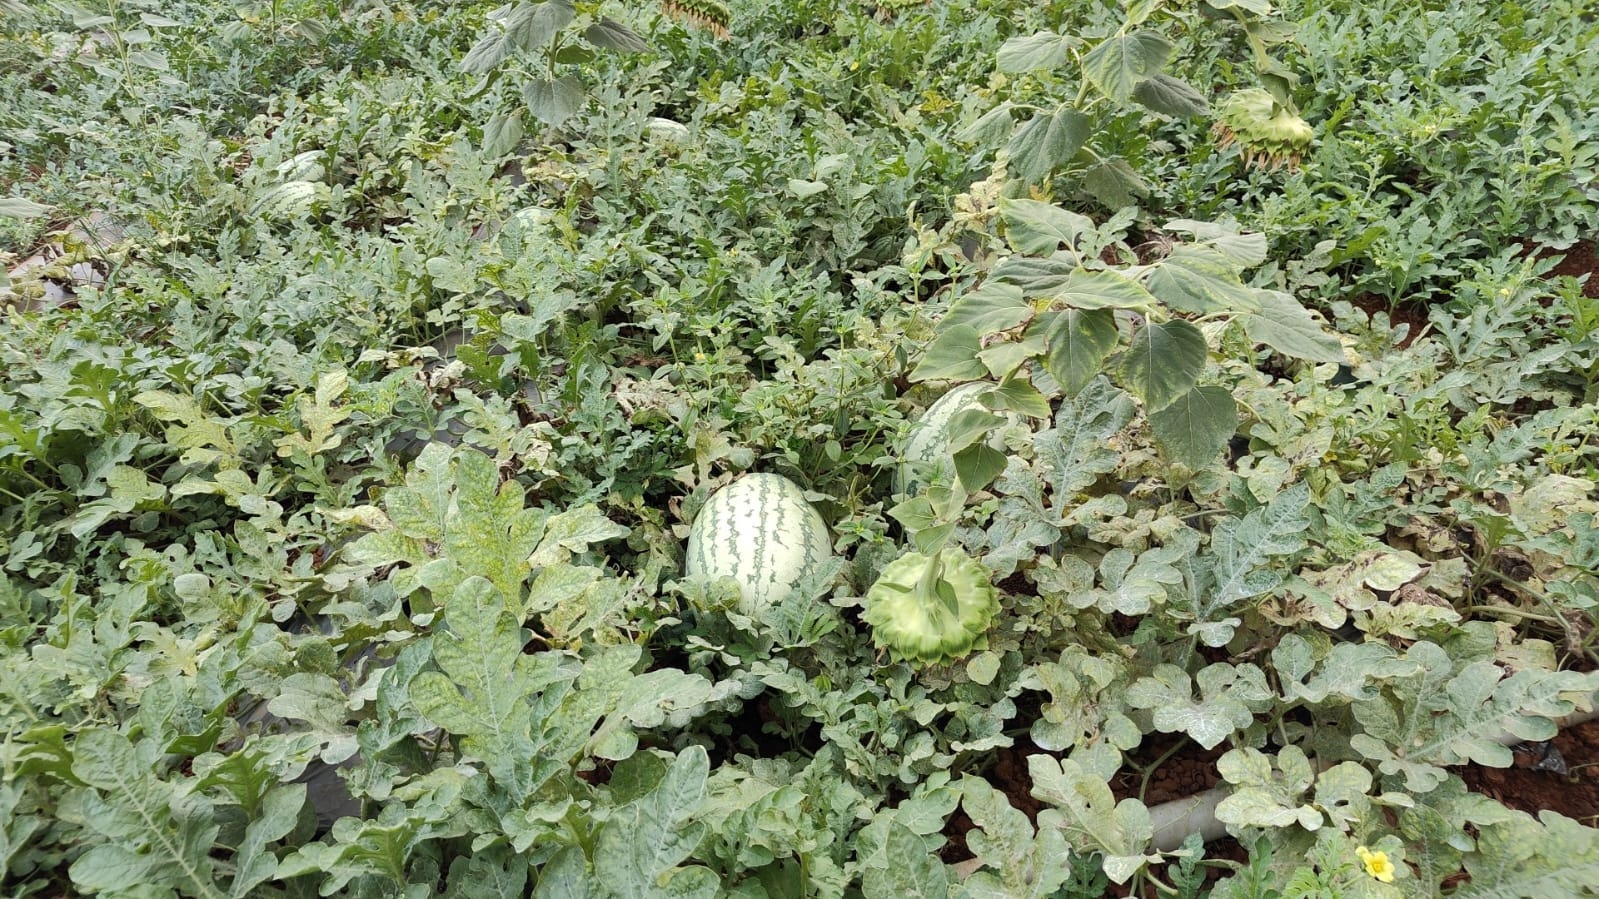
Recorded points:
(1175, 820)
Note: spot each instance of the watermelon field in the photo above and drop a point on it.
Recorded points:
(807, 449)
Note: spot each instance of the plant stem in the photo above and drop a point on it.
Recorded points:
(1160, 886)
(1511, 612)
(1145, 771)
(1549, 605)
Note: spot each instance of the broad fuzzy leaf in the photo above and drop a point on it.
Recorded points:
(1079, 343)
(1115, 184)
(553, 100)
(1048, 141)
(1037, 228)
(1121, 62)
(532, 26)
(978, 465)
(1287, 327)
(989, 309)
(952, 356)
(1035, 52)
(1169, 96)
(1194, 429)
(22, 208)
(1201, 280)
(502, 133)
(1163, 362)
(613, 35)
(1036, 277)
(1017, 394)
(1087, 289)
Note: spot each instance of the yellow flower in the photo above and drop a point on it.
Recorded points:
(1377, 864)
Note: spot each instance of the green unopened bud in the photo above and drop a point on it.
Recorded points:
(1268, 134)
(928, 609)
(710, 15)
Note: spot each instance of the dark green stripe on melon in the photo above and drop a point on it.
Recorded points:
(927, 444)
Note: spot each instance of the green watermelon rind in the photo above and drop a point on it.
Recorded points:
(761, 532)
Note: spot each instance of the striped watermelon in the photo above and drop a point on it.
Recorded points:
(927, 446)
(760, 531)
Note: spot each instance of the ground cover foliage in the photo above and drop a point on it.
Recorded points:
(345, 492)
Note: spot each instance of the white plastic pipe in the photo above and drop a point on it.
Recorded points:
(1175, 820)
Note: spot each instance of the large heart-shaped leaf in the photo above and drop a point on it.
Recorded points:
(988, 309)
(1105, 290)
(952, 356)
(1048, 141)
(1163, 362)
(1193, 430)
(1039, 228)
(1169, 96)
(553, 100)
(1289, 328)
(1079, 341)
(1034, 52)
(1121, 62)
